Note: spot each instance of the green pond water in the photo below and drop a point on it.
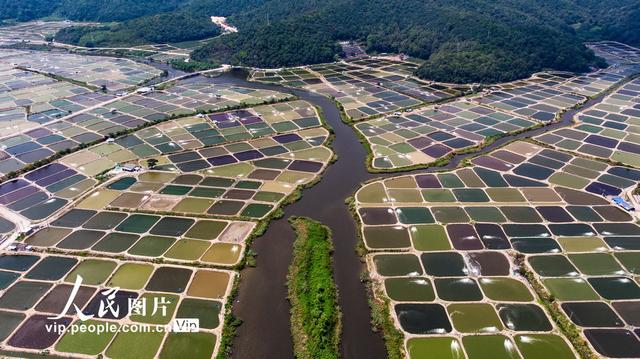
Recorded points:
(489, 347)
(441, 348)
(474, 318)
(152, 246)
(410, 289)
(397, 264)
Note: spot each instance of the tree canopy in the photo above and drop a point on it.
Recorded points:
(159, 28)
(460, 41)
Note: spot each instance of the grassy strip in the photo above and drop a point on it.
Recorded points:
(315, 314)
(381, 320)
(566, 327)
(230, 323)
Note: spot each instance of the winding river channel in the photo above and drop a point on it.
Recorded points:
(262, 298)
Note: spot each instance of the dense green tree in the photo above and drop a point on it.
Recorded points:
(461, 41)
(113, 10)
(25, 10)
(471, 41)
(281, 44)
(160, 28)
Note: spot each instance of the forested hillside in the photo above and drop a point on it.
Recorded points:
(25, 10)
(470, 41)
(460, 41)
(94, 10)
(159, 28)
(116, 10)
(131, 22)
(617, 20)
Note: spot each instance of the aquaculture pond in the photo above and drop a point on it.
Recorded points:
(111, 233)
(245, 180)
(425, 135)
(149, 233)
(606, 130)
(421, 136)
(442, 246)
(40, 285)
(462, 238)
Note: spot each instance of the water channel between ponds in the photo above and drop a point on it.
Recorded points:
(262, 294)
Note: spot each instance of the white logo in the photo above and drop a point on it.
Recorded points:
(186, 325)
(108, 304)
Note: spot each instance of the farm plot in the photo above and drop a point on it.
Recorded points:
(359, 98)
(24, 88)
(112, 237)
(594, 83)
(425, 135)
(37, 287)
(422, 90)
(145, 236)
(6, 226)
(202, 94)
(33, 30)
(184, 98)
(41, 97)
(428, 134)
(116, 74)
(446, 250)
(258, 174)
(532, 98)
(427, 92)
(616, 52)
(361, 92)
(293, 77)
(43, 191)
(29, 103)
(607, 130)
(151, 234)
(16, 152)
(197, 132)
(124, 240)
(245, 179)
(301, 154)
(404, 68)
